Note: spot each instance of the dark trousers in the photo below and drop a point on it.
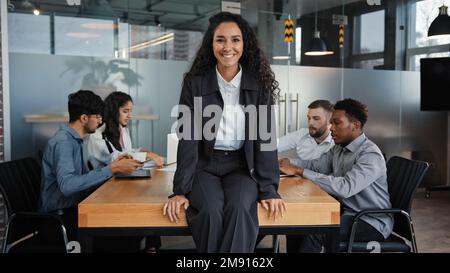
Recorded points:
(314, 243)
(222, 211)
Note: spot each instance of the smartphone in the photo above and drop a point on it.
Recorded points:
(145, 161)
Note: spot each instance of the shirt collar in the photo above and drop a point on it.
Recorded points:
(352, 146)
(235, 82)
(102, 128)
(328, 139)
(71, 132)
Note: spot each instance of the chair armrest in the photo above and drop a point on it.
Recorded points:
(379, 211)
(369, 212)
(29, 222)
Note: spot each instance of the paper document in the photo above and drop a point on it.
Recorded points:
(149, 165)
(171, 169)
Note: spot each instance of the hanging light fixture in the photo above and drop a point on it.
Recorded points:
(317, 46)
(37, 9)
(440, 25)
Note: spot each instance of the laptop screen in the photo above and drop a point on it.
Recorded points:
(172, 146)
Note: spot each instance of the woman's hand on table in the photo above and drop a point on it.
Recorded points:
(275, 206)
(173, 206)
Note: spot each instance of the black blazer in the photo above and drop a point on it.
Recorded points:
(194, 155)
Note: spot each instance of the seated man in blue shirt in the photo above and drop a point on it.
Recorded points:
(66, 181)
(353, 171)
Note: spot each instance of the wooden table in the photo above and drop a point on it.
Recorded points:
(134, 207)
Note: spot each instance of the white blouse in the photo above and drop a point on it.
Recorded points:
(96, 151)
(231, 131)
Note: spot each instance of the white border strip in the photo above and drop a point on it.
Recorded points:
(5, 75)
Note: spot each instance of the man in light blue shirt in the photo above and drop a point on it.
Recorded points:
(309, 143)
(65, 179)
(353, 171)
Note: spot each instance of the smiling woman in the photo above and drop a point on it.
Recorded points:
(219, 181)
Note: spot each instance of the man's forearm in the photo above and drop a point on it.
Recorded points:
(299, 171)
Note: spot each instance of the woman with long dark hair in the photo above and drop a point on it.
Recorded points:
(220, 180)
(113, 138)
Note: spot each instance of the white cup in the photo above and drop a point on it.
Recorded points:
(139, 156)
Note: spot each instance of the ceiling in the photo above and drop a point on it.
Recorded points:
(170, 13)
(176, 14)
(309, 6)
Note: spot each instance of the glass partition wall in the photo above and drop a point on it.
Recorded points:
(143, 47)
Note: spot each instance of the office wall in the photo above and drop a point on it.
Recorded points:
(395, 122)
(45, 91)
(159, 93)
(310, 83)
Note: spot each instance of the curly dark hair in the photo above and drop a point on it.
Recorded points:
(111, 114)
(252, 60)
(354, 109)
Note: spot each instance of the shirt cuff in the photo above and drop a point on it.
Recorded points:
(310, 175)
(107, 171)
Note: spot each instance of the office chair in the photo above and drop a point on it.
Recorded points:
(403, 177)
(432, 174)
(27, 230)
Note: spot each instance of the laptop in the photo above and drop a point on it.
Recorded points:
(172, 147)
(282, 174)
(141, 173)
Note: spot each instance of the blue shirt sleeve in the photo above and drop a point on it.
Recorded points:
(69, 179)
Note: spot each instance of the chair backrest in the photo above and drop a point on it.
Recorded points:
(403, 177)
(20, 182)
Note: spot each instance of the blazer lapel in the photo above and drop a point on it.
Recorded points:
(210, 90)
(249, 89)
(249, 96)
(211, 96)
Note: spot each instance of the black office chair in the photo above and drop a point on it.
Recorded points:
(27, 230)
(403, 177)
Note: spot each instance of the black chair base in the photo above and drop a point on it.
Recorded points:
(392, 244)
(428, 190)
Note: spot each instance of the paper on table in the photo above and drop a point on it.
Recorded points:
(149, 165)
(282, 174)
(168, 169)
